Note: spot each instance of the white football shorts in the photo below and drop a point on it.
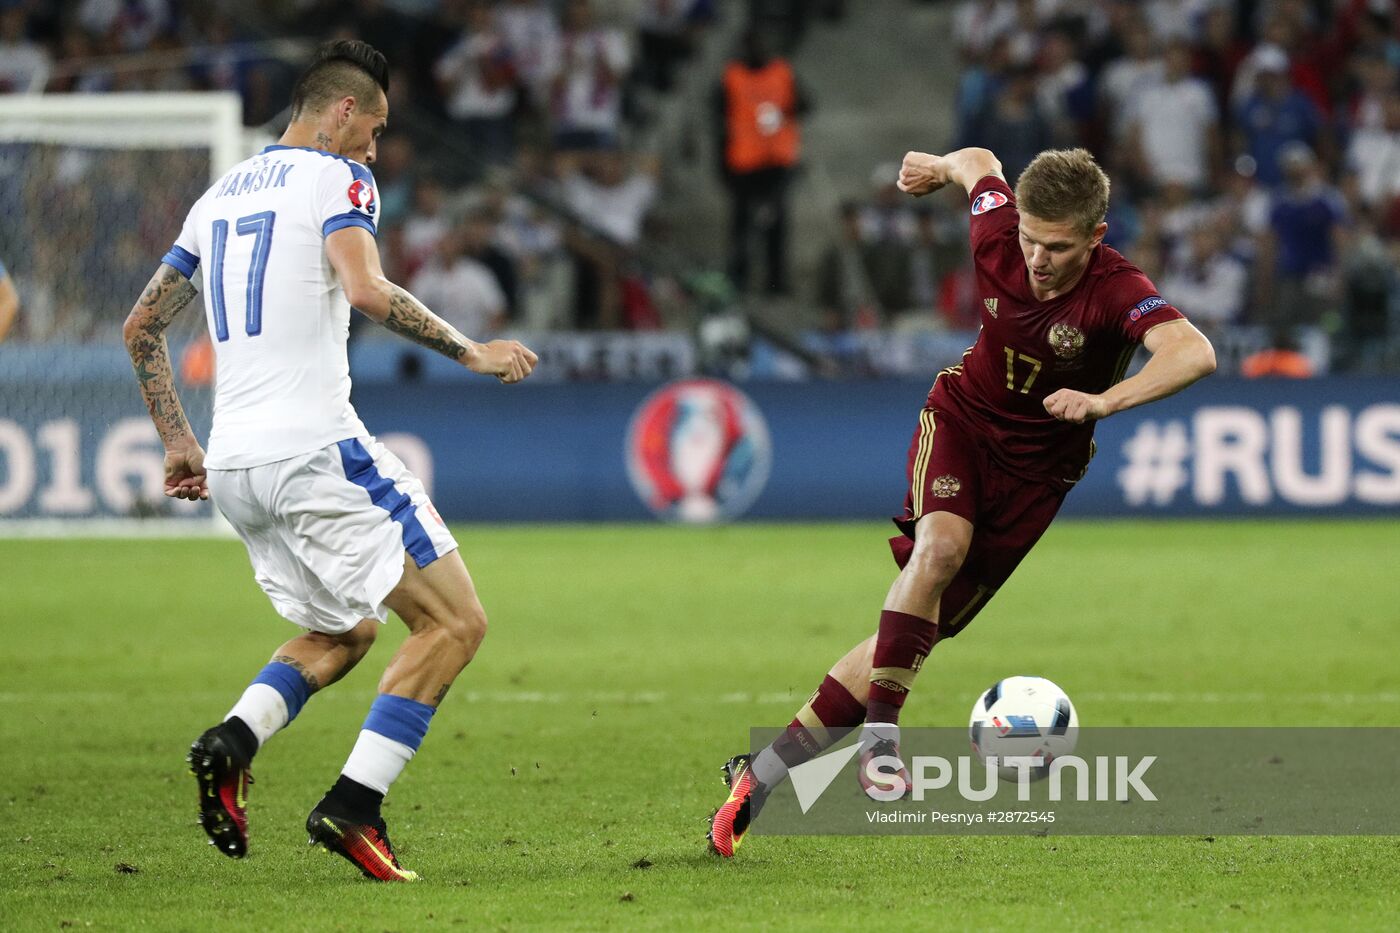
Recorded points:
(327, 531)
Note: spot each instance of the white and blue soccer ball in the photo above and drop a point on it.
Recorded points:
(1025, 720)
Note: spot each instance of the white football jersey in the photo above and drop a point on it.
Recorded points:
(277, 314)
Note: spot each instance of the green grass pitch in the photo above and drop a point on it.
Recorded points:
(566, 782)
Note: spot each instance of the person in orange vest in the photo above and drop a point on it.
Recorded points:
(758, 105)
(1281, 359)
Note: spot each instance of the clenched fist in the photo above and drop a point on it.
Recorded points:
(507, 360)
(921, 173)
(1076, 407)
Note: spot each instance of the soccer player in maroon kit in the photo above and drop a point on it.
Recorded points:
(1003, 436)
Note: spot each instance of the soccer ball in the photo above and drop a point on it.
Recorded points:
(1023, 718)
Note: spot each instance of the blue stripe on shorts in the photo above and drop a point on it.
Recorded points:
(360, 470)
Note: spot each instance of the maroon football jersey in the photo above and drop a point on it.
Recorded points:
(1027, 348)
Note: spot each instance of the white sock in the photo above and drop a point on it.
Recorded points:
(768, 768)
(263, 709)
(376, 761)
(876, 731)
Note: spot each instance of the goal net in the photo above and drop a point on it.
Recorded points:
(96, 188)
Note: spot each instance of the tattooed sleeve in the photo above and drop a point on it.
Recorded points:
(409, 317)
(165, 296)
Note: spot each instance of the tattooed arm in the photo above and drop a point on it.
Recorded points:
(353, 253)
(144, 332)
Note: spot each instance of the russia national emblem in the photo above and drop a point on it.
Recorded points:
(946, 486)
(1067, 341)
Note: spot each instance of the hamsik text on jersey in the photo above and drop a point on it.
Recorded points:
(276, 311)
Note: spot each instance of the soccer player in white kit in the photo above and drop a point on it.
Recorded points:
(338, 531)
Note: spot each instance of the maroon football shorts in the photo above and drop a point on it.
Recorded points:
(950, 470)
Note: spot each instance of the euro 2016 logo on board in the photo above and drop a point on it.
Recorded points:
(698, 451)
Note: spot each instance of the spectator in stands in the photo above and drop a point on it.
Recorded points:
(845, 291)
(379, 21)
(1274, 115)
(75, 49)
(1175, 128)
(940, 248)
(534, 240)
(1374, 79)
(9, 302)
(1372, 26)
(478, 232)
(460, 288)
(1219, 54)
(666, 32)
(1369, 282)
(220, 65)
(589, 64)
(1062, 87)
(888, 258)
(978, 24)
(1292, 27)
(613, 199)
(1374, 156)
(531, 29)
(393, 174)
(612, 193)
(1297, 274)
(428, 223)
(1123, 80)
(1124, 218)
(1173, 20)
(478, 80)
(1013, 126)
(1242, 207)
(1024, 37)
(24, 63)
(887, 217)
(132, 25)
(890, 230)
(1105, 25)
(978, 86)
(1204, 280)
(758, 108)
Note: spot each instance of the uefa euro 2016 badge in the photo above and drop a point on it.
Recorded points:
(988, 201)
(1067, 341)
(698, 450)
(361, 195)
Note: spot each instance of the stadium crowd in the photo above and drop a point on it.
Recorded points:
(491, 101)
(1254, 150)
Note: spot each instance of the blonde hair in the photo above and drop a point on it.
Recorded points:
(1064, 185)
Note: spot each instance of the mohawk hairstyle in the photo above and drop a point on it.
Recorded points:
(342, 68)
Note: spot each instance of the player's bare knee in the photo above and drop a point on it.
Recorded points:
(938, 560)
(466, 626)
(361, 638)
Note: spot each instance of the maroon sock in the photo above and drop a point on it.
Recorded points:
(900, 648)
(828, 716)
